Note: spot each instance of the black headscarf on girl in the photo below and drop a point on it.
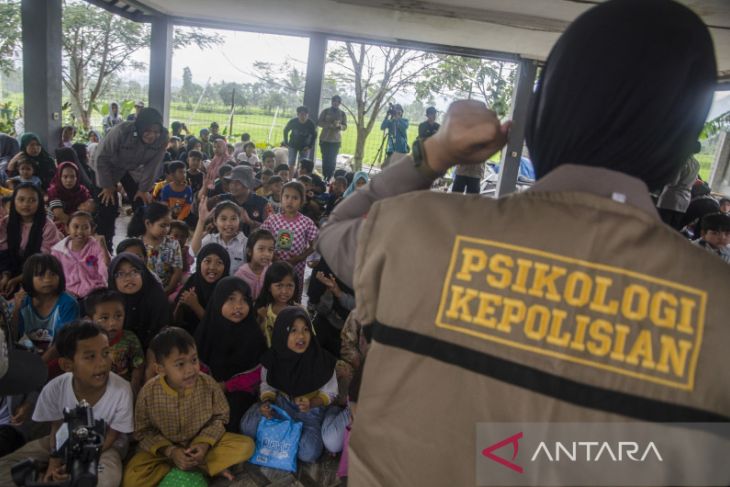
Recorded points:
(229, 348)
(626, 87)
(15, 230)
(45, 165)
(203, 288)
(147, 311)
(296, 374)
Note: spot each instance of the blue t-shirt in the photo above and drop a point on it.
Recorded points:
(180, 202)
(39, 330)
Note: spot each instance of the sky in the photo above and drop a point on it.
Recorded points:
(233, 59)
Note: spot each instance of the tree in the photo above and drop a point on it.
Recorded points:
(375, 74)
(10, 34)
(96, 46)
(462, 77)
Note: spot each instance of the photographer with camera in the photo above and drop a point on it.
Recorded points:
(397, 128)
(84, 354)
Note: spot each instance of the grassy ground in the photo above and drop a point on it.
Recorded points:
(705, 161)
(269, 130)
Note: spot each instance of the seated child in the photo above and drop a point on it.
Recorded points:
(187, 434)
(259, 255)
(295, 233)
(306, 167)
(336, 194)
(268, 160)
(282, 170)
(715, 235)
(106, 308)
(164, 258)
(180, 231)
(280, 287)
(133, 246)
(26, 172)
(146, 309)
(212, 264)
(195, 173)
(66, 194)
(83, 259)
(264, 189)
(248, 155)
(177, 195)
(43, 307)
(166, 179)
(299, 377)
(221, 184)
(275, 187)
(230, 343)
(83, 347)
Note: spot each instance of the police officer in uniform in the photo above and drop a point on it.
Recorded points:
(569, 302)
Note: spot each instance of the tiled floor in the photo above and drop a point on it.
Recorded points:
(320, 474)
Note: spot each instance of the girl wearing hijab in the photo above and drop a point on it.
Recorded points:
(211, 265)
(231, 344)
(30, 146)
(358, 181)
(299, 377)
(146, 309)
(66, 194)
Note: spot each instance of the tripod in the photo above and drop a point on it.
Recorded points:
(379, 155)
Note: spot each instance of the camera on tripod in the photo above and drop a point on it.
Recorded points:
(393, 109)
(80, 449)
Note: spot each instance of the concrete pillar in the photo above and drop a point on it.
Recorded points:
(720, 173)
(41, 23)
(510, 165)
(315, 74)
(161, 66)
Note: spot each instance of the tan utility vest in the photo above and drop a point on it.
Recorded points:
(544, 306)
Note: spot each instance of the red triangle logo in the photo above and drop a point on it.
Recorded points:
(514, 441)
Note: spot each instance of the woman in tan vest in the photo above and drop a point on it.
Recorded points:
(571, 302)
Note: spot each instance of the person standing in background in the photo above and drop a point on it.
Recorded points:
(333, 121)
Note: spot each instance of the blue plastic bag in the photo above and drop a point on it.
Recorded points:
(277, 441)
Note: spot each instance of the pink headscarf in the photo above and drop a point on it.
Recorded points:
(221, 157)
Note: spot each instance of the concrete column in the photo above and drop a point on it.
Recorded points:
(315, 74)
(41, 23)
(161, 66)
(720, 173)
(510, 165)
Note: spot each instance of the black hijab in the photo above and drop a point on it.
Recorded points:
(626, 87)
(229, 348)
(146, 118)
(203, 288)
(296, 374)
(147, 311)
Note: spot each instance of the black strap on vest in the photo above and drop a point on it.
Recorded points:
(539, 381)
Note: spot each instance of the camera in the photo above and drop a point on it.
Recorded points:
(391, 110)
(81, 451)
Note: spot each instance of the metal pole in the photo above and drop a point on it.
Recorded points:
(510, 166)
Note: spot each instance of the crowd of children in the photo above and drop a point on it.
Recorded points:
(196, 327)
(183, 336)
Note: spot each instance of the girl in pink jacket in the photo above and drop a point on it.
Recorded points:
(83, 259)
